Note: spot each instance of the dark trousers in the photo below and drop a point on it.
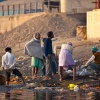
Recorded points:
(15, 72)
(54, 69)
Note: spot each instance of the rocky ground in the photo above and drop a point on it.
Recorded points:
(61, 24)
(64, 28)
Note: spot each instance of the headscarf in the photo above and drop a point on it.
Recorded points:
(67, 46)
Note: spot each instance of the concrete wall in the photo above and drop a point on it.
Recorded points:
(93, 24)
(66, 6)
(9, 22)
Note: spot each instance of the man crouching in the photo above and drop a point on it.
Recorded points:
(8, 62)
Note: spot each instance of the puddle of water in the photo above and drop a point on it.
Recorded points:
(47, 94)
(19, 92)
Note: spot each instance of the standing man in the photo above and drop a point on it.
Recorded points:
(48, 53)
(8, 62)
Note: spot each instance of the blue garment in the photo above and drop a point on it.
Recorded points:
(54, 69)
(43, 70)
(48, 47)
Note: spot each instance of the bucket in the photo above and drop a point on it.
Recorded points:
(71, 86)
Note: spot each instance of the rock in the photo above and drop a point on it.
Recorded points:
(32, 85)
(91, 94)
(21, 58)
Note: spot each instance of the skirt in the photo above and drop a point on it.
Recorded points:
(36, 62)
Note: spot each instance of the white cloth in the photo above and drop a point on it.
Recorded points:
(67, 47)
(33, 48)
(8, 61)
(65, 56)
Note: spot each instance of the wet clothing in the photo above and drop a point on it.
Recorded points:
(36, 62)
(15, 72)
(8, 61)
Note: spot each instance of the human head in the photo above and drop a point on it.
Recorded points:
(70, 43)
(8, 49)
(94, 49)
(37, 36)
(50, 34)
(44, 40)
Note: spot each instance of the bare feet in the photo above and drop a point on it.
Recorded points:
(34, 77)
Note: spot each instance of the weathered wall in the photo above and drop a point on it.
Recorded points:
(9, 22)
(77, 6)
(93, 24)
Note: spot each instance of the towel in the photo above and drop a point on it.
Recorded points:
(33, 48)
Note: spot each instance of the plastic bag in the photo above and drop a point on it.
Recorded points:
(84, 72)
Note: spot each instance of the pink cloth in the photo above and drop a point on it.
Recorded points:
(65, 58)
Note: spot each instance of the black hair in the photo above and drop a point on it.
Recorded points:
(44, 39)
(8, 49)
(50, 33)
(36, 34)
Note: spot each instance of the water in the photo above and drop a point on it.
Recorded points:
(46, 93)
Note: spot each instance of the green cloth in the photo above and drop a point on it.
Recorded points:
(36, 62)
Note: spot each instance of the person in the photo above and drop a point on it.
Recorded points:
(66, 60)
(8, 63)
(44, 59)
(48, 54)
(54, 65)
(94, 61)
(33, 49)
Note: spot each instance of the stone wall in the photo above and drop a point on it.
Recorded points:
(9, 22)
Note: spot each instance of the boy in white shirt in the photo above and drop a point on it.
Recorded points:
(8, 63)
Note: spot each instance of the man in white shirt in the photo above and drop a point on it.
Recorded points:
(8, 63)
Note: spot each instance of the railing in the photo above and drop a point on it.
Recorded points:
(32, 7)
